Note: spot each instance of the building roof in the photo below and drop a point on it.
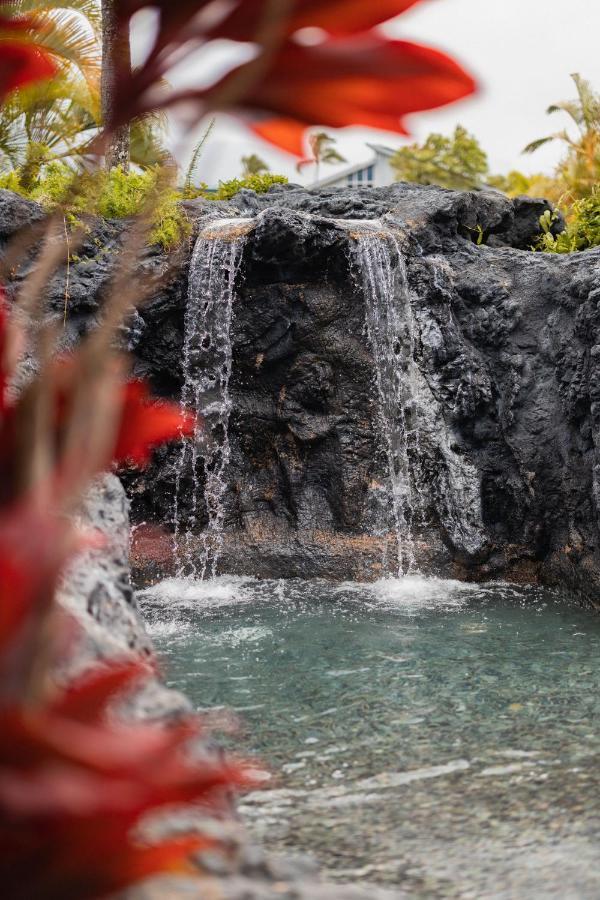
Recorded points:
(378, 150)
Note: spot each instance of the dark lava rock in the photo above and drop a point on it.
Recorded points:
(507, 344)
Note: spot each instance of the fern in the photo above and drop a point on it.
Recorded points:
(187, 185)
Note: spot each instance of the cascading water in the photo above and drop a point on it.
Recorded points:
(207, 361)
(390, 327)
(425, 471)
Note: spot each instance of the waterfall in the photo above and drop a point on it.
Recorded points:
(381, 272)
(424, 469)
(207, 362)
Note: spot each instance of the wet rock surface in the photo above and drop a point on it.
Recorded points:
(507, 344)
(97, 591)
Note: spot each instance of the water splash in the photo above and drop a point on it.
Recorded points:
(207, 363)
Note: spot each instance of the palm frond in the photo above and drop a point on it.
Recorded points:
(571, 107)
(70, 41)
(89, 9)
(540, 142)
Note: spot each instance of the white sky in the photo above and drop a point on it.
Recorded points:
(522, 52)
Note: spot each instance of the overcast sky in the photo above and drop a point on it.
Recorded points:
(522, 52)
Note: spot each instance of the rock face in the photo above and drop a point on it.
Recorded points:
(504, 389)
(96, 590)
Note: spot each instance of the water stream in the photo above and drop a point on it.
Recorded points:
(427, 477)
(424, 734)
(381, 270)
(207, 362)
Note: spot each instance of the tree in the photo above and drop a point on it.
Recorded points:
(322, 150)
(253, 165)
(116, 65)
(457, 162)
(579, 171)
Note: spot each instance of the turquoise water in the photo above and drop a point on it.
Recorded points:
(429, 735)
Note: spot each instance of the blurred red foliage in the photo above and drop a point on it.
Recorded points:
(22, 62)
(75, 783)
(352, 75)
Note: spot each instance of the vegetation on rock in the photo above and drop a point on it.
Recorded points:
(583, 227)
(253, 165)
(260, 183)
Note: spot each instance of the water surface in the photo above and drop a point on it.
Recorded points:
(427, 734)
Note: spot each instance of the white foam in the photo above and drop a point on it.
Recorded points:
(412, 593)
(222, 591)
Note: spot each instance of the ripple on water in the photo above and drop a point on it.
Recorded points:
(414, 725)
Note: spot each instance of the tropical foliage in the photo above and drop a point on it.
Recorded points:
(583, 227)
(579, 171)
(354, 75)
(63, 115)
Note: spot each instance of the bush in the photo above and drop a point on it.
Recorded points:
(112, 195)
(457, 162)
(260, 183)
(117, 195)
(582, 231)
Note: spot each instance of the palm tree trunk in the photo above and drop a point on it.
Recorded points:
(116, 60)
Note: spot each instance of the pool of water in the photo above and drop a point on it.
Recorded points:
(438, 737)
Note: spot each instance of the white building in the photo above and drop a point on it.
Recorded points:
(375, 172)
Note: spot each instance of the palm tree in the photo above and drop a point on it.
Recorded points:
(59, 119)
(580, 169)
(322, 150)
(253, 165)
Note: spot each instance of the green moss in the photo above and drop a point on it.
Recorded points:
(112, 195)
(260, 183)
(171, 225)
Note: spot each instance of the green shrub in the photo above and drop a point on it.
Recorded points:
(123, 195)
(582, 231)
(112, 195)
(259, 183)
(116, 195)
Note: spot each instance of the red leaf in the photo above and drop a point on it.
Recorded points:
(366, 80)
(243, 22)
(21, 61)
(87, 699)
(4, 372)
(359, 78)
(334, 16)
(145, 424)
(34, 546)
